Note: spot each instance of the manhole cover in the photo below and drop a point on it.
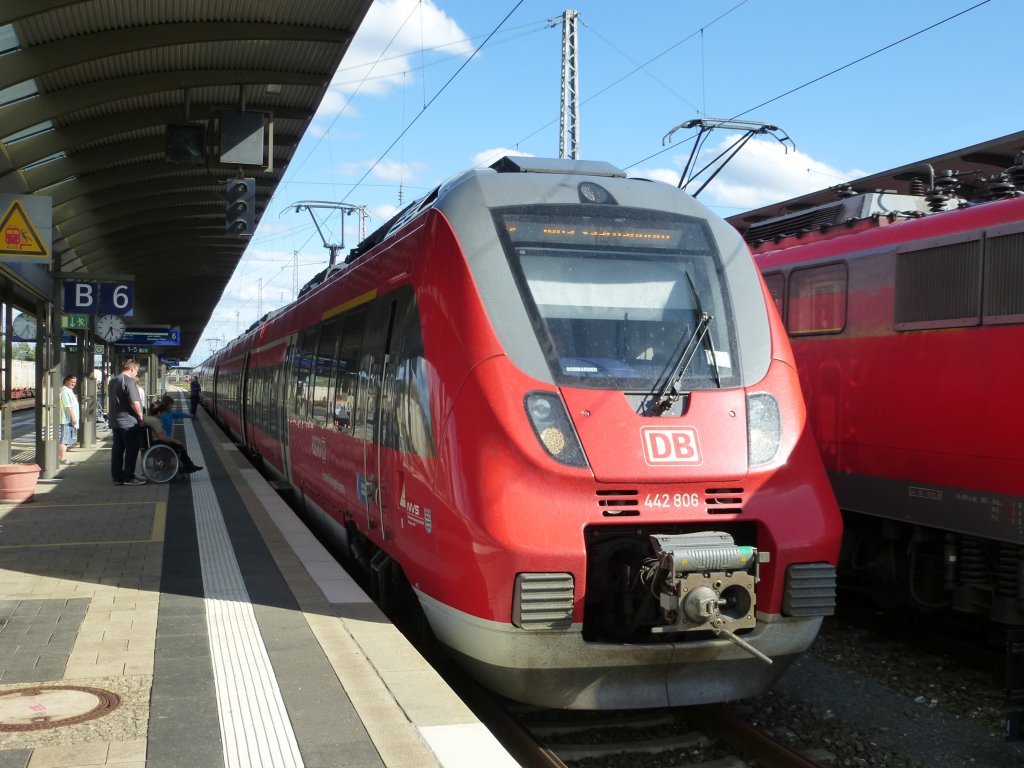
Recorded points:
(33, 709)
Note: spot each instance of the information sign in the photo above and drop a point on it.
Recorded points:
(156, 337)
(96, 298)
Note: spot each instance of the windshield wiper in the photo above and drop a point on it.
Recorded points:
(665, 397)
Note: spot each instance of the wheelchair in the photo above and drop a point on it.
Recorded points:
(160, 462)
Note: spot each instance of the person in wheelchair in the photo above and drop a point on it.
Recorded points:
(171, 414)
(156, 427)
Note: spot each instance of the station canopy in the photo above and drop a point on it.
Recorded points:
(133, 116)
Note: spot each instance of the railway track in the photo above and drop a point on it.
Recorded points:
(711, 736)
(706, 736)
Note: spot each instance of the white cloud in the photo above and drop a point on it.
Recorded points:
(489, 156)
(763, 172)
(667, 175)
(333, 103)
(382, 213)
(394, 171)
(386, 51)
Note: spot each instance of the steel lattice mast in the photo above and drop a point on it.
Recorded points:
(568, 144)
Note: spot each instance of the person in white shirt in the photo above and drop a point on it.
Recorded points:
(70, 413)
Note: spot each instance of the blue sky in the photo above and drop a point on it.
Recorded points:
(644, 68)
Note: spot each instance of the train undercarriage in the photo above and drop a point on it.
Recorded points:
(903, 564)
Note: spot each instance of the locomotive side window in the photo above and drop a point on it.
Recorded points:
(616, 294)
(1004, 279)
(347, 381)
(776, 283)
(323, 372)
(817, 300)
(939, 287)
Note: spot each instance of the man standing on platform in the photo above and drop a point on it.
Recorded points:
(194, 391)
(124, 414)
(69, 415)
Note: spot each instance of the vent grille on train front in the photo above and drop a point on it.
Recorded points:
(625, 502)
(619, 503)
(723, 501)
(810, 590)
(543, 601)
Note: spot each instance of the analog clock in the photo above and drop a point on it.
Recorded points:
(110, 327)
(25, 327)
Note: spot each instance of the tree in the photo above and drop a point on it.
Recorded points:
(22, 350)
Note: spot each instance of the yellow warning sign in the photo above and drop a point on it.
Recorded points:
(18, 237)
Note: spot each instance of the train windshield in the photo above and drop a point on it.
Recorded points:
(613, 294)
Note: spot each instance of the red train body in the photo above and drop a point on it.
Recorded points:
(907, 331)
(510, 400)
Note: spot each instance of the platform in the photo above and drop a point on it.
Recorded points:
(198, 623)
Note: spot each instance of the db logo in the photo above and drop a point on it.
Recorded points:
(670, 445)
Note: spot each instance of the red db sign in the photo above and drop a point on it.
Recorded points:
(670, 445)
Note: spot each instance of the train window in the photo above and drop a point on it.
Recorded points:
(817, 300)
(323, 372)
(411, 406)
(776, 283)
(302, 367)
(939, 287)
(347, 380)
(1004, 279)
(615, 295)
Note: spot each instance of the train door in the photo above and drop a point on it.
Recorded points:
(369, 415)
(404, 443)
(214, 385)
(281, 386)
(244, 414)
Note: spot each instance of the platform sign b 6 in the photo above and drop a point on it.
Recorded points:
(94, 298)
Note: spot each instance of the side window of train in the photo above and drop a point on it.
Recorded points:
(938, 287)
(776, 283)
(302, 366)
(347, 380)
(413, 431)
(817, 300)
(323, 371)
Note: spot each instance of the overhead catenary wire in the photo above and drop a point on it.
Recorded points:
(819, 78)
(432, 100)
(636, 69)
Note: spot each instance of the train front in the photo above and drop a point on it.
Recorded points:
(642, 517)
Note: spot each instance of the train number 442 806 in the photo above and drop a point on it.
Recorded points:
(668, 500)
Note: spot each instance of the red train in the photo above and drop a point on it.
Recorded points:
(905, 307)
(558, 405)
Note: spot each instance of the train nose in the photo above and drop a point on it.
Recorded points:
(621, 445)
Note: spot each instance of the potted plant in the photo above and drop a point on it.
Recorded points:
(18, 481)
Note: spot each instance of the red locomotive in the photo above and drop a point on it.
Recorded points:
(905, 307)
(559, 406)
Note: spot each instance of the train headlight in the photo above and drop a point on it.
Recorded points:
(555, 432)
(764, 428)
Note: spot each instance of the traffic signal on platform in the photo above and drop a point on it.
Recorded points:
(241, 206)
